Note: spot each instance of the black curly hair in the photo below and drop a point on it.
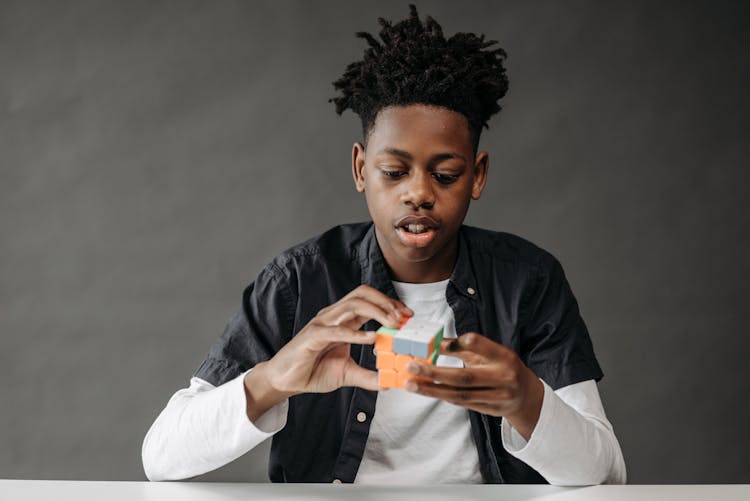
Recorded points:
(416, 64)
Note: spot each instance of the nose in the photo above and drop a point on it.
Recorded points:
(418, 190)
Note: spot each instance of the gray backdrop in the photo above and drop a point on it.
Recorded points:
(155, 155)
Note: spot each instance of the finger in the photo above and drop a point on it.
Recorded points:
(353, 312)
(375, 296)
(361, 378)
(450, 348)
(462, 396)
(458, 376)
(322, 336)
(484, 400)
(491, 409)
(473, 342)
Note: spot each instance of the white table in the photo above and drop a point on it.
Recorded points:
(61, 490)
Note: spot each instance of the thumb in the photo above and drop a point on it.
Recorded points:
(360, 377)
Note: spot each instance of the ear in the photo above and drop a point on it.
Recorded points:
(358, 166)
(481, 165)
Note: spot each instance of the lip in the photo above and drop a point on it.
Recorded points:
(425, 220)
(416, 240)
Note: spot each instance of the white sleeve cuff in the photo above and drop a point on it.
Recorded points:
(225, 408)
(268, 423)
(514, 443)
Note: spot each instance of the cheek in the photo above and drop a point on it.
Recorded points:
(458, 205)
(460, 196)
(376, 205)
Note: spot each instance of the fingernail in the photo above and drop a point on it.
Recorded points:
(412, 368)
(410, 385)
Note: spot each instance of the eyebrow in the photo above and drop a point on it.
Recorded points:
(408, 156)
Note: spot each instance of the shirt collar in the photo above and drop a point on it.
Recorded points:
(375, 269)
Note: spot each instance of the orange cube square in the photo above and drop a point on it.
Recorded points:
(385, 360)
(387, 378)
(400, 362)
(384, 342)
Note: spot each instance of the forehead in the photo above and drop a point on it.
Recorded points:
(418, 127)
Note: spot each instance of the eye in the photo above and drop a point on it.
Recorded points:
(444, 178)
(392, 174)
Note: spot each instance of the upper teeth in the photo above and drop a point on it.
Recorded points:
(416, 228)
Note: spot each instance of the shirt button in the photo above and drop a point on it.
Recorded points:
(336, 481)
(471, 291)
(361, 417)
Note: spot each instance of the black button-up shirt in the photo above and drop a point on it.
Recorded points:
(502, 287)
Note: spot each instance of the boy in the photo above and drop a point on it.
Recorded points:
(513, 397)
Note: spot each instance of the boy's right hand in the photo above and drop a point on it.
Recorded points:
(317, 359)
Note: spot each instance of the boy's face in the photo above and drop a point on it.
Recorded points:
(418, 175)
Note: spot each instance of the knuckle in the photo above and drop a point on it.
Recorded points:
(354, 305)
(470, 339)
(315, 323)
(363, 304)
(463, 396)
(341, 316)
(466, 378)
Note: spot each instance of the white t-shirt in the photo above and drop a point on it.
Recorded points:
(415, 439)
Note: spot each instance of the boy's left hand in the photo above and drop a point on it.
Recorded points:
(494, 381)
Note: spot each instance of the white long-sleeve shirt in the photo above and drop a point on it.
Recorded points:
(205, 427)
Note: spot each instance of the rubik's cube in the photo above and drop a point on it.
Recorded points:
(414, 339)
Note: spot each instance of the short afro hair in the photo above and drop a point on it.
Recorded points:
(415, 64)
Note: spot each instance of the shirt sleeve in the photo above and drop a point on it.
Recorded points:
(555, 342)
(203, 428)
(573, 442)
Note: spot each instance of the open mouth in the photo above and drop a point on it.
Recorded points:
(416, 235)
(416, 231)
(416, 228)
